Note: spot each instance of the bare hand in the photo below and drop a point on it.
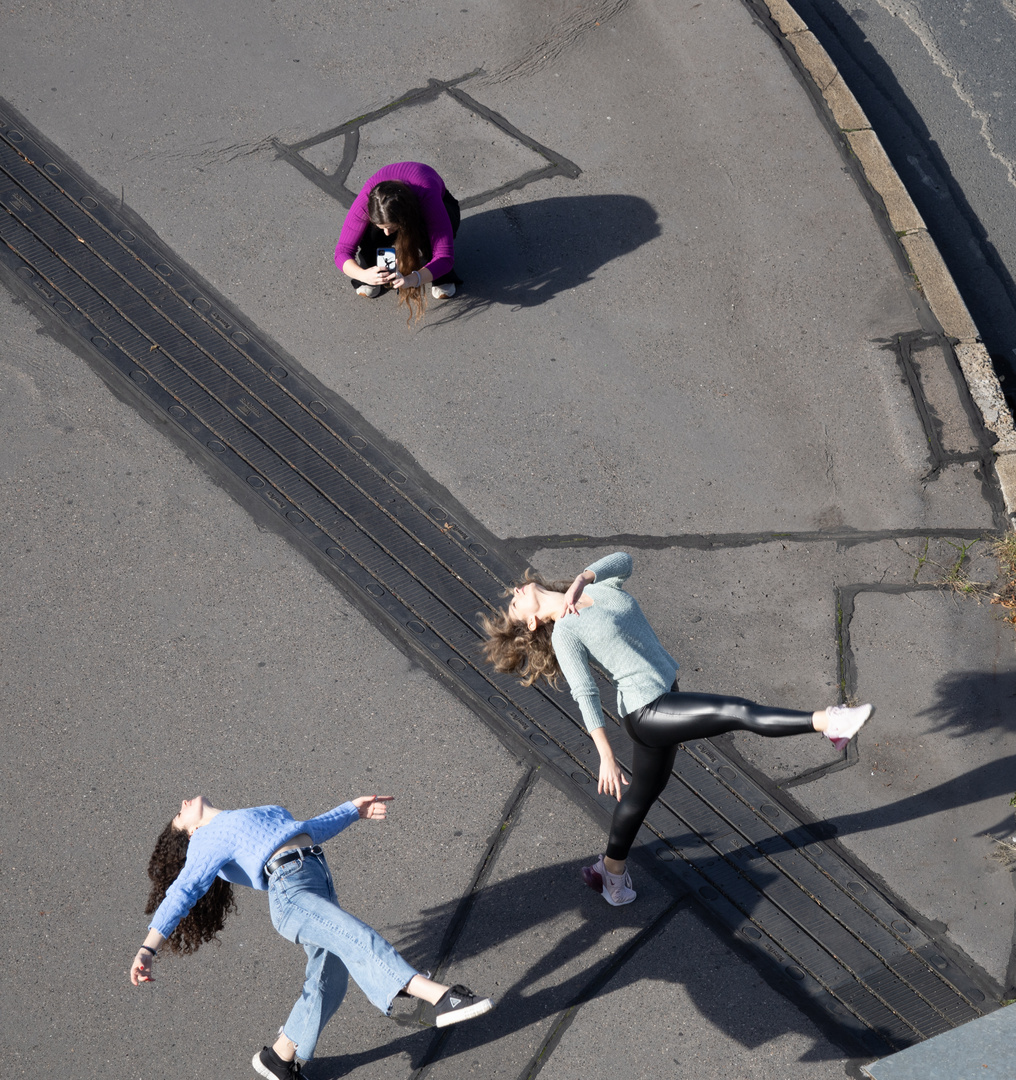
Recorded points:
(611, 778)
(412, 280)
(375, 275)
(141, 969)
(372, 806)
(575, 590)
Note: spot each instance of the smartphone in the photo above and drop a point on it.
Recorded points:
(386, 259)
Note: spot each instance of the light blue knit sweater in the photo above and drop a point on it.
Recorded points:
(616, 635)
(235, 845)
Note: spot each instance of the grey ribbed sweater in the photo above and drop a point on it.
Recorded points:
(615, 634)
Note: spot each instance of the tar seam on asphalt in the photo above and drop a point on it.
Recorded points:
(334, 183)
(298, 457)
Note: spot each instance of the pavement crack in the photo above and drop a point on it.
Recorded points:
(563, 34)
(527, 546)
(495, 845)
(597, 983)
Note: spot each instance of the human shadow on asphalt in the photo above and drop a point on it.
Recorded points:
(522, 256)
(523, 915)
(967, 703)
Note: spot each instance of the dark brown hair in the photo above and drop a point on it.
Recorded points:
(511, 647)
(208, 915)
(393, 203)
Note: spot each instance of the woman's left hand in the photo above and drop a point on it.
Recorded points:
(372, 806)
(412, 280)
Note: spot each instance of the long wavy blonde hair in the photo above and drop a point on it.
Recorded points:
(512, 648)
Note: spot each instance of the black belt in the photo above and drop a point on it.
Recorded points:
(291, 856)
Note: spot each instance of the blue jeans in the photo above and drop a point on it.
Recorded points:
(304, 909)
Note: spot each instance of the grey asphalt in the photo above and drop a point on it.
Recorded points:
(933, 78)
(692, 344)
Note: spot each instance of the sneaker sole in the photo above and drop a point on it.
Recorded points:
(261, 1069)
(467, 1013)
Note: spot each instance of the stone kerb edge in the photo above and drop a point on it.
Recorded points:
(929, 269)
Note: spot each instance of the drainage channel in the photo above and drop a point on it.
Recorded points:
(291, 451)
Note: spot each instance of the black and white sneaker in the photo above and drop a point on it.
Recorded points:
(459, 1003)
(268, 1064)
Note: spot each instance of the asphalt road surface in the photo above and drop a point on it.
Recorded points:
(936, 79)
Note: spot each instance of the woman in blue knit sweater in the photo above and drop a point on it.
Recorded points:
(557, 629)
(203, 850)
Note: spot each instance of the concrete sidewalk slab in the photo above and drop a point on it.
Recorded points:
(981, 1049)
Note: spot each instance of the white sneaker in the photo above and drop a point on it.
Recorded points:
(370, 291)
(615, 888)
(443, 292)
(844, 722)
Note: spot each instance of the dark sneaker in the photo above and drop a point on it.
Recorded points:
(459, 1003)
(268, 1064)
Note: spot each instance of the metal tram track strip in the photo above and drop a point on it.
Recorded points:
(296, 456)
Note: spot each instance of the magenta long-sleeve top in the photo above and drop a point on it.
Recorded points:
(429, 188)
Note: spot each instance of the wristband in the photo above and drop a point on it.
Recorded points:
(148, 949)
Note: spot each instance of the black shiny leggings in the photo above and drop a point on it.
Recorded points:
(657, 728)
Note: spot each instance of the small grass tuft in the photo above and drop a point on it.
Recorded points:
(955, 576)
(1004, 549)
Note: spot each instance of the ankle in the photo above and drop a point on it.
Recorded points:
(616, 867)
(284, 1049)
(419, 986)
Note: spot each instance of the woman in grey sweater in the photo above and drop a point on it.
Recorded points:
(549, 630)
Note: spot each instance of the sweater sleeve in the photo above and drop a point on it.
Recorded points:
(573, 660)
(193, 881)
(613, 569)
(325, 826)
(353, 227)
(439, 229)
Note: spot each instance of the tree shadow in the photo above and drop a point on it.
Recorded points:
(522, 256)
(971, 702)
(523, 913)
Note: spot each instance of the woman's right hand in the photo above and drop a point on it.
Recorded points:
(141, 969)
(374, 275)
(611, 777)
(575, 590)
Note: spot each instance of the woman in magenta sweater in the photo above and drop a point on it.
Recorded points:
(405, 207)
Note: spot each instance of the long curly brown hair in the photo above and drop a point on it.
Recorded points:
(514, 649)
(393, 203)
(208, 915)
